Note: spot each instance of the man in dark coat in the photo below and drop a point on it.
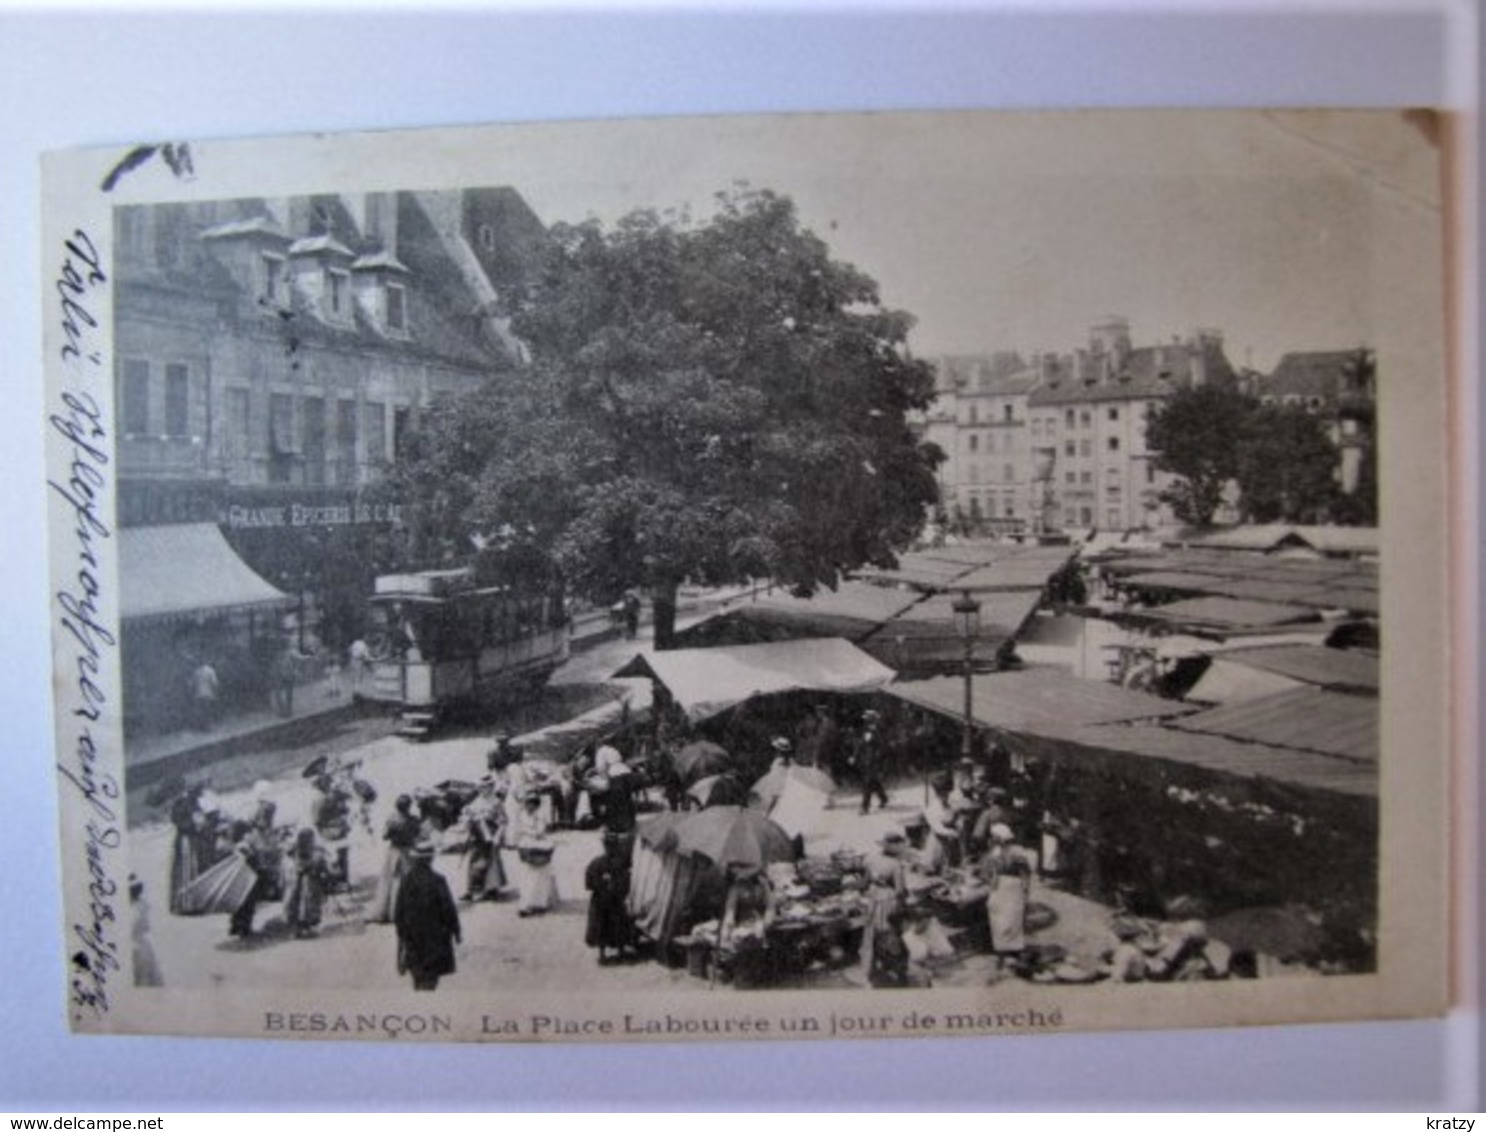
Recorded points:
(427, 921)
(868, 755)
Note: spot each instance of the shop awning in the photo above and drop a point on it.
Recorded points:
(186, 569)
(704, 682)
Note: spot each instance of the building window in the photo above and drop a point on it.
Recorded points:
(1114, 412)
(135, 397)
(273, 278)
(1113, 515)
(1008, 473)
(238, 408)
(374, 426)
(990, 442)
(1006, 414)
(487, 237)
(402, 418)
(1070, 448)
(1114, 443)
(314, 441)
(1150, 473)
(1085, 418)
(345, 442)
(973, 415)
(974, 442)
(1085, 448)
(397, 314)
(1086, 516)
(974, 473)
(1036, 426)
(1070, 477)
(337, 286)
(282, 448)
(1068, 418)
(177, 400)
(1086, 477)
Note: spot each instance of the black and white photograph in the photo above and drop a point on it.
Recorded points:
(821, 576)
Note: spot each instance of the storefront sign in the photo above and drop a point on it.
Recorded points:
(240, 518)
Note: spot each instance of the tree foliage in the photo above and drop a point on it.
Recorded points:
(1197, 435)
(1278, 456)
(1287, 467)
(711, 401)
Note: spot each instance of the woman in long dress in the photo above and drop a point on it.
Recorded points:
(485, 820)
(401, 833)
(534, 851)
(1006, 870)
(607, 879)
(306, 903)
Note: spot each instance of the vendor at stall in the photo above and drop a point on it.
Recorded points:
(1006, 870)
(886, 889)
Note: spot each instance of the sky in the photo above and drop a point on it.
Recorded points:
(1021, 231)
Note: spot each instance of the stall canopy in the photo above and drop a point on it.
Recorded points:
(1303, 719)
(1249, 673)
(1035, 699)
(177, 571)
(704, 682)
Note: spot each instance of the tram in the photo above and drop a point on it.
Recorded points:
(442, 642)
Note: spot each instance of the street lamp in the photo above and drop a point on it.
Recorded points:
(967, 620)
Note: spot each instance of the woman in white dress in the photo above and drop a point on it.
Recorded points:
(534, 850)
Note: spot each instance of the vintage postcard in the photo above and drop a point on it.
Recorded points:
(823, 576)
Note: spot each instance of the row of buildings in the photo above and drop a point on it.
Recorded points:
(1057, 442)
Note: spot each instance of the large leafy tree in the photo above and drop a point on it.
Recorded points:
(713, 401)
(1287, 467)
(1198, 435)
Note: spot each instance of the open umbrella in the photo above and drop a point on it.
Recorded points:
(222, 888)
(718, 790)
(700, 760)
(731, 835)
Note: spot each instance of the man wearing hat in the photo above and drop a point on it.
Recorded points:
(867, 754)
(427, 921)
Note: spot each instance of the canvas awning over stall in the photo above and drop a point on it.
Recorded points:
(1035, 699)
(185, 569)
(704, 682)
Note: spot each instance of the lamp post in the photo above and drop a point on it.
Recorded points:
(967, 620)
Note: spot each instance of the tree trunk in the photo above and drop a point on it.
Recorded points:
(664, 604)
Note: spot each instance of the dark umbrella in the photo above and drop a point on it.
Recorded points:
(731, 835)
(700, 760)
(718, 790)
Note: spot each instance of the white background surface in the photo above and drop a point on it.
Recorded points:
(116, 77)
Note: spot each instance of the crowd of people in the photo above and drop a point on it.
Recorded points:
(978, 835)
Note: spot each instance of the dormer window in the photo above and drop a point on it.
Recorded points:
(273, 289)
(397, 314)
(337, 294)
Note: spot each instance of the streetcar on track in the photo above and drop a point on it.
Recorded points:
(442, 643)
